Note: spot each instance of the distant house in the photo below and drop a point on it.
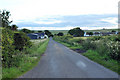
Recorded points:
(33, 36)
(108, 33)
(37, 35)
(101, 33)
(41, 35)
(96, 34)
(86, 34)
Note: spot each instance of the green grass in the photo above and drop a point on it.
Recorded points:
(70, 46)
(96, 57)
(110, 63)
(57, 31)
(28, 61)
(66, 31)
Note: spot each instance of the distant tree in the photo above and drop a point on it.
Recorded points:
(90, 33)
(5, 18)
(48, 33)
(76, 32)
(40, 31)
(55, 34)
(14, 27)
(113, 31)
(60, 34)
(103, 28)
(26, 30)
(32, 31)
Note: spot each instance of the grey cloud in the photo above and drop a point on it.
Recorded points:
(79, 20)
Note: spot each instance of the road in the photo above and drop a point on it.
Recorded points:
(60, 62)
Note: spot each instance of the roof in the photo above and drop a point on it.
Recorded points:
(40, 34)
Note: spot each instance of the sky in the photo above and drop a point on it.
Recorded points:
(62, 14)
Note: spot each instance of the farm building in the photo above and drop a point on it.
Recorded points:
(101, 33)
(33, 36)
(37, 35)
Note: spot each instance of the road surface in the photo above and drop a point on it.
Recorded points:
(61, 62)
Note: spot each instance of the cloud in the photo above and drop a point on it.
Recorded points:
(62, 14)
(48, 28)
(30, 9)
(61, 22)
(112, 20)
(44, 22)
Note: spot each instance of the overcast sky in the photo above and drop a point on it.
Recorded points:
(62, 14)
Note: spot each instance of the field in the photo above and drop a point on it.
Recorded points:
(57, 31)
(99, 30)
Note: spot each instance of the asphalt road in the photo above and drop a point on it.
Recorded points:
(61, 62)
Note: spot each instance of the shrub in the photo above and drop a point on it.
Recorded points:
(11, 44)
(60, 34)
(88, 44)
(114, 50)
(102, 48)
(94, 38)
(7, 47)
(21, 41)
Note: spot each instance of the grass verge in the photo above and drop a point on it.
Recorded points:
(93, 55)
(108, 63)
(28, 61)
(70, 46)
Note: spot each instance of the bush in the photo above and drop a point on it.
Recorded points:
(94, 38)
(7, 47)
(21, 41)
(88, 44)
(102, 48)
(60, 34)
(12, 44)
(114, 50)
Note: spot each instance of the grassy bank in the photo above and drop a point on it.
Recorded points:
(29, 60)
(108, 63)
(96, 50)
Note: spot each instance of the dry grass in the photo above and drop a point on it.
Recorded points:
(36, 41)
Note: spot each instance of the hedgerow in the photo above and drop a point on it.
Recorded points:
(12, 45)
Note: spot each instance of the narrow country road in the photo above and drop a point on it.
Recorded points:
(61, 62)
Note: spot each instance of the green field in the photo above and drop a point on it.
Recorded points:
(102, 30)
(66, 31)
(99, 30)
(57, 31)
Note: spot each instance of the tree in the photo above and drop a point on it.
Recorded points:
(48, 33)
(26, 30)
(113, 31)
(60, 34)
(90, 33)
(76, 32)
(14, 27)
(40, 31)
(5, 18)
(32, 31)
